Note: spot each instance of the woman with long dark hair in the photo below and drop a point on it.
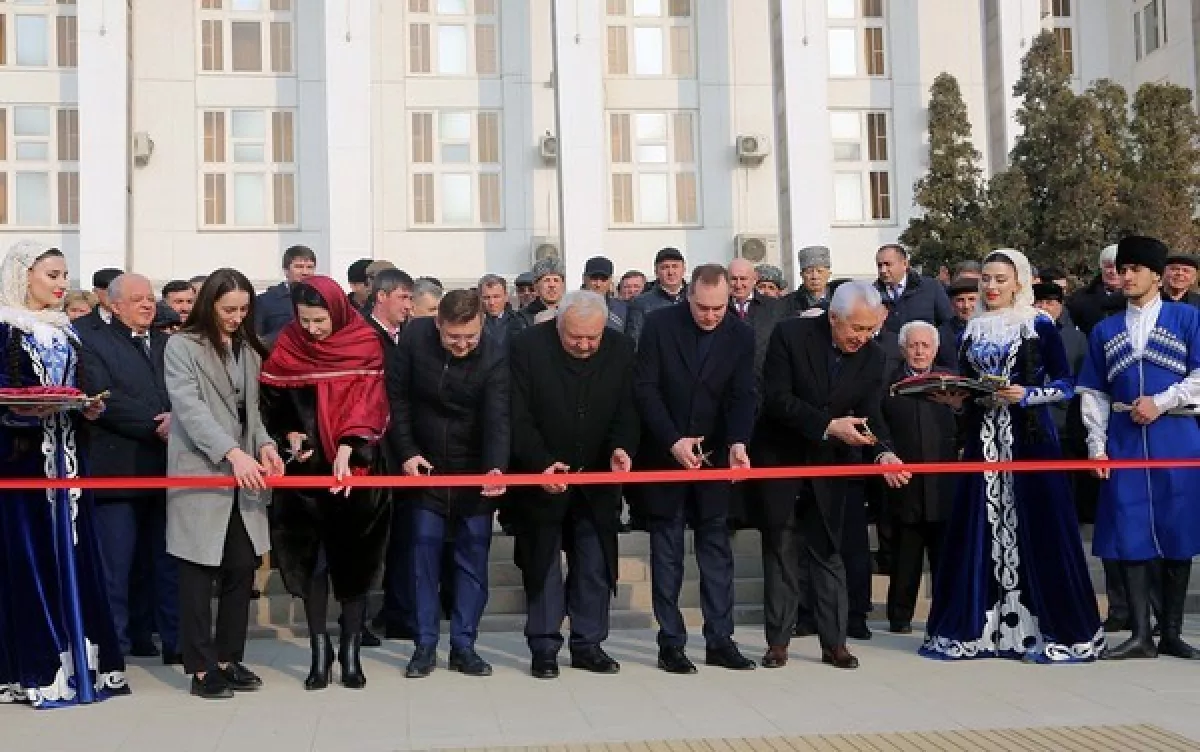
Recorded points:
(57, 642)
(324, 398)
(212, 369)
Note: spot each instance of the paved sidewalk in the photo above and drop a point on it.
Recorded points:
(894, 691)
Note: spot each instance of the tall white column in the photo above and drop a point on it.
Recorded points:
(103, 136)
(579, 105)
(804, 154)
(348, 123)
(1018, 22)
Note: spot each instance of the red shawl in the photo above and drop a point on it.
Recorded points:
(346, 368)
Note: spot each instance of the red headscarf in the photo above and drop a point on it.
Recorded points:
(346, 368)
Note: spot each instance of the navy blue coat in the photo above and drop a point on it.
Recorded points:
(122, 441)
(679, 397)
(273, 311)
(923, 299)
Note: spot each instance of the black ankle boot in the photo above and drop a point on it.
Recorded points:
(348, 656)
(322, 662)
(1175, 575)
(1137, 586)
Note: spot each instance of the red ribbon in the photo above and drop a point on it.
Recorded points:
(588, 479)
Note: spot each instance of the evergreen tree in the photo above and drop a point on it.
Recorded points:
(951, 227)
(1164, 176)
(1008, 218)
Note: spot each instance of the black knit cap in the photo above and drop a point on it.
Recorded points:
(1148, 252)
(1047, 291)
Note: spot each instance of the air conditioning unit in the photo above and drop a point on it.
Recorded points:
(753, 149)
(545, 248)
(142, 147)
(548, 148)
(755, 248)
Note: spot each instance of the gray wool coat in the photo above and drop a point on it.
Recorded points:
(204, 427)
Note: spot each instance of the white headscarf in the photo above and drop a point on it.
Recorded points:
(1020, 316)
(14, 289)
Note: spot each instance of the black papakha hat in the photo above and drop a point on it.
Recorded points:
(1148, 252)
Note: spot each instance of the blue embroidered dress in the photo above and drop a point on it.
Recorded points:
(1018, 584)
(55, 624)
(1146, 514)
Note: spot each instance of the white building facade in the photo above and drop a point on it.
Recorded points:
(459, 137)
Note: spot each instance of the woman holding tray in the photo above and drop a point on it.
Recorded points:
(324, 397)
(58, 646)
(1019, 587)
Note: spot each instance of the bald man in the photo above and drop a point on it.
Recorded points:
(125, 359)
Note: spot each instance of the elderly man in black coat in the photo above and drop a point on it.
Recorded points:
(572, 411)
(923, 429)
(824, 382)
(125, 359)
(449, 390)
(694, 386)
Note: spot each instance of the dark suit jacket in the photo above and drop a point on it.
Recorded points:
(800, 402)
(679, 397)
(272, 311)
(89, 324)
(122, 441)
(576, 412)
(922, 431)
(923, 299)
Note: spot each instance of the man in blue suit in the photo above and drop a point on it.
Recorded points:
(694, 386)
(125, 359)
(273, 308)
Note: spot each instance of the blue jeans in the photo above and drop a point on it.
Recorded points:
(472, 541)
(125, 528)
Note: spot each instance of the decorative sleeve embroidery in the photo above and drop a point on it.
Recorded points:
(1055, 391)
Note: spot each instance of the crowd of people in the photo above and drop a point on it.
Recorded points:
(722, 367)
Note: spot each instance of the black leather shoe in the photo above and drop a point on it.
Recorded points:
(369, 638)
(349, 656)
(321, 667)
(728, 656)
(422, 663)
(595, 660)
(240, 678)
(675, 661)
(839, 657)
(469, 663)
(212, 687)
(775, 657)
(900, 627)
(1113, 624)
(144, 649)
(172, 658)
(544, 667)
(857, 629)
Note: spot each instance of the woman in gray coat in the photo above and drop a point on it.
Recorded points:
(212, 370)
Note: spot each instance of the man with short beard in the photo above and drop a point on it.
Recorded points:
(572, 410)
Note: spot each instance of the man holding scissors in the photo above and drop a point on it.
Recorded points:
(694, 386)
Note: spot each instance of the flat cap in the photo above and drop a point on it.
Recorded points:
(524, 279)
(668, 254)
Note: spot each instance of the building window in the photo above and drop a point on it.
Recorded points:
(248, 177)
(653, 168)
(39, 34)
(862, 183)
(453, 37)
(1137, 36)
(456, 169)
(857, 38)
(1153, 27)
(1066, 47)
(650, 38)
(39, 167)
(247, 36)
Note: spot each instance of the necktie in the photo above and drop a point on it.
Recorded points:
(741, 309)
(143, 341)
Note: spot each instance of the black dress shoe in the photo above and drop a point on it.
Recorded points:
(212, 687)
(544, 667)
(240, 678)
(857, 629)
(804, 629)
(172, 658)
(900, 627)
(839, 657)
(728, 656)
(595, 660)
(422, 663)
(775, 657)
(350, 658)
(144, 649)
(369, 639)
(469, 663)
(1115, 624)
(321, 668)
(675, 661)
